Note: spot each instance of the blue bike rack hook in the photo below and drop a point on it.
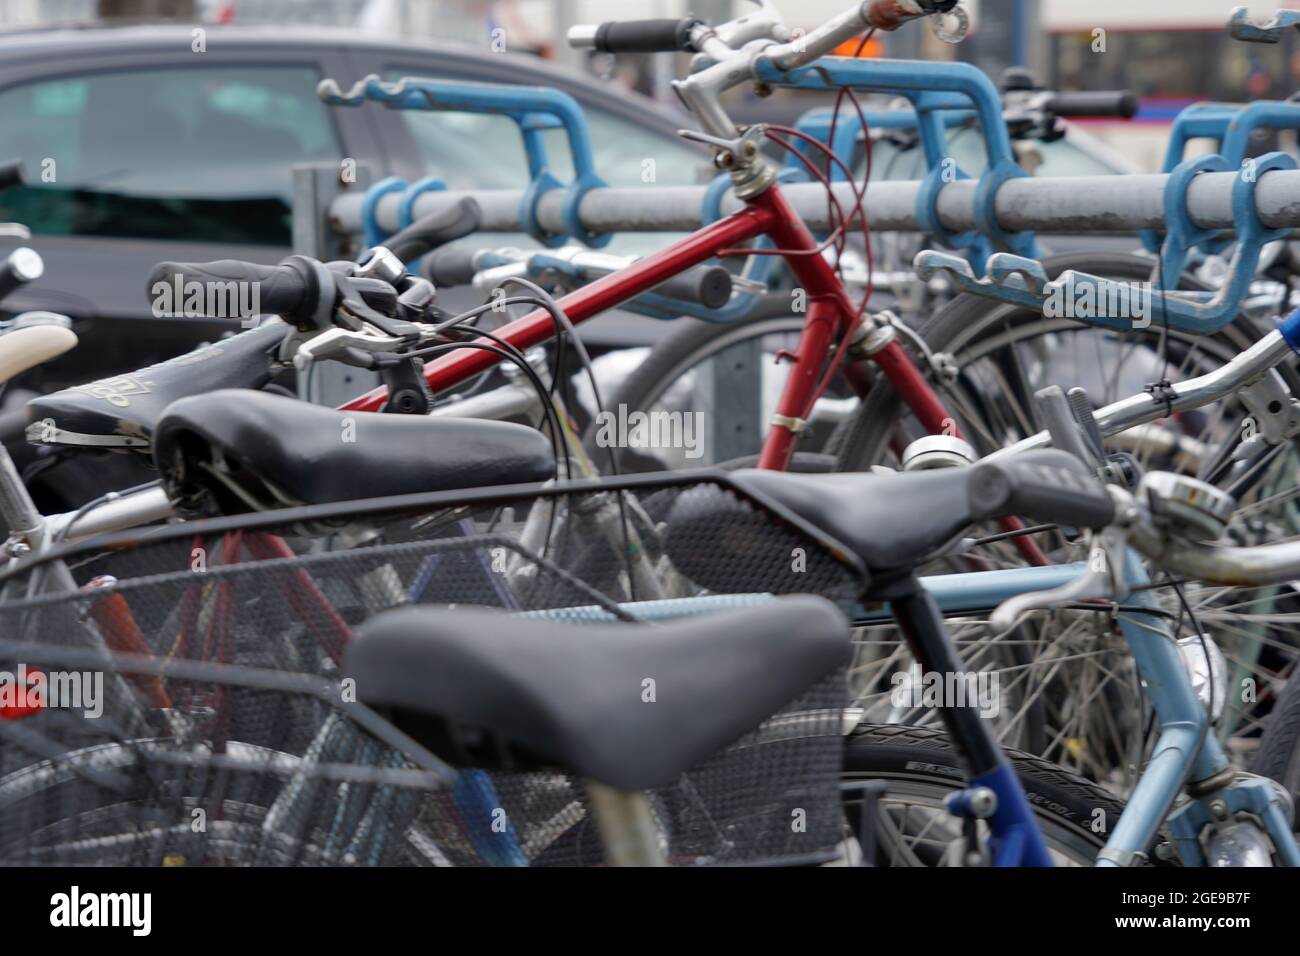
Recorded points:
(1242, 27)
(1230, 126)
(932, 88)
(1021, 281)
(372, 234)
(534, 109)
(1181, 234)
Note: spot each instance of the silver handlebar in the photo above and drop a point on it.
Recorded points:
(1249, 367)
(1153, 528)
(728, 52)
(1258, 565)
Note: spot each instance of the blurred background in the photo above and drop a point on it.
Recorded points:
(1170, 52)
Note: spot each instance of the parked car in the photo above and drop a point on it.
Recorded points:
(141, 147)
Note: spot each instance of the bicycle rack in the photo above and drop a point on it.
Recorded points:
(372, 234)
(1230, 127)
(1022, 281)
(849, 128)
(1182, 235)
(933, 88)
(1242, 27)
(534, 110)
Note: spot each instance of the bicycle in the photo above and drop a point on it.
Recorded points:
(725, 532)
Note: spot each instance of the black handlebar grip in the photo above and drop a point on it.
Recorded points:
(21, 266)
(644, 36)
(451, 267)
(425, 235)
(11, 173)
(709, 286)
(288, 290)
(1121, 103)
(1048, 485)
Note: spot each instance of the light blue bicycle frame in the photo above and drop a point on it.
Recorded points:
(1185, 750)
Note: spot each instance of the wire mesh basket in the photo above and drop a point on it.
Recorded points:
(176, 696)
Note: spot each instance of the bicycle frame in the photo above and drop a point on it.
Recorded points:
(1187, 754)
(1185, 751)
(830, 313)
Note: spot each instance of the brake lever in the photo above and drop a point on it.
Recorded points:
(1103, 579)
(337, 343)
(733, 152)
(352, 306)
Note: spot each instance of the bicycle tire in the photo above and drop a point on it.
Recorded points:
(1074, 813)
(690, 342)
(1279, 747)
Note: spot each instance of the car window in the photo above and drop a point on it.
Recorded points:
(201, 154)
(966, 146)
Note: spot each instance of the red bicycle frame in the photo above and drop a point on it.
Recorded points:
(830, 312)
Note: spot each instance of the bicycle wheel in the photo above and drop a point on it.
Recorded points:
(921, 768)
(721, 380)
(987, 359)
(1279, 747)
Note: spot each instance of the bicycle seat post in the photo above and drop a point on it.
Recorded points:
(627, 826)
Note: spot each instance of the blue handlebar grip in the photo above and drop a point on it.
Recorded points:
(1290, 329)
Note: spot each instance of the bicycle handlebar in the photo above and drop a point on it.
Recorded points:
(11, 173)
(1120, 103)
(709, 286)
(438, 229)
(299, 290)
(21, 266)
(1260, 565)
(735, 49)
(868, 15)
(451, 267)
(1048, 485)
(635, 36)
